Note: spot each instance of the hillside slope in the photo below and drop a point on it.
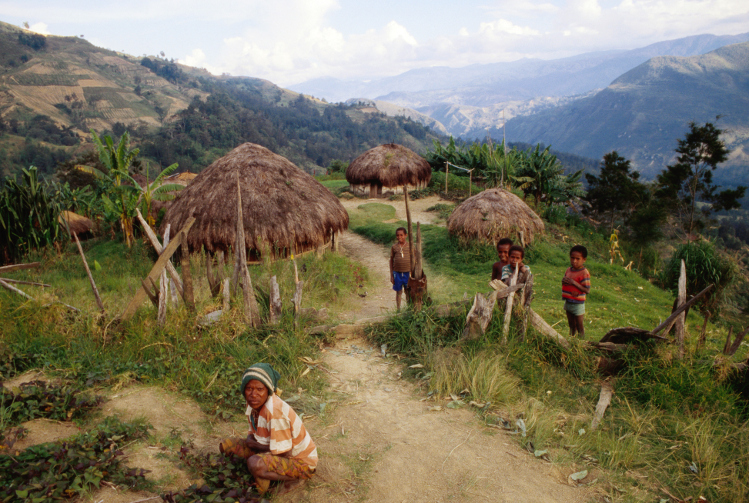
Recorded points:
(53, 90)
(643, 113)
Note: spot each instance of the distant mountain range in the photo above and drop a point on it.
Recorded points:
(643, 113)
(468, 100)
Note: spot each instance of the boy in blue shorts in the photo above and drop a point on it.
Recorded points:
(400, 264)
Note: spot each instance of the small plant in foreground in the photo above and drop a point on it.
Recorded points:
(37, 399)
(61, 470)
(227, 479)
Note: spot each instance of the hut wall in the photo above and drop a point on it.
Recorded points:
(366, 190)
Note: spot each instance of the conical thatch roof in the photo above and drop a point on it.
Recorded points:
(283, 207)
(389, 165)
(77, 224)
(495, 214)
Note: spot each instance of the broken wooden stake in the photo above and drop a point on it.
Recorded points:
(225, 294)
(607, 391)
(275, 302)
(681, 309)
(88, 273)
(731, 348)
(152, 296)
(189, 296)
(679, 336)
(18, 267)
(251, 311)
(479, 316)
(163, 286)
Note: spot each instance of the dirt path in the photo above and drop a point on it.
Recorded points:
(418, 208)
(385, 445)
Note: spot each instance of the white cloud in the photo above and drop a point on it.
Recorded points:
(40, 28)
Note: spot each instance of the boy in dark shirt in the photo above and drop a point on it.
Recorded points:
(503, 250)
(400, 264)
(575, 286)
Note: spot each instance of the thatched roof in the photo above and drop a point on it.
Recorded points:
(77, 224)
(283, 207)
(389, 165)
(494, 214)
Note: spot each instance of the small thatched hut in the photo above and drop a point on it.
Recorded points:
(77, 224)
(495, 214)
(284, 209)
(391, 166)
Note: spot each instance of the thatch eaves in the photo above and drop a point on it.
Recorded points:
(284, 209)
(389, 165)
(495, 214)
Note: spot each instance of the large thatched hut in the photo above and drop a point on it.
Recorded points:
(495, 214)
(388, 166)
(284, 209)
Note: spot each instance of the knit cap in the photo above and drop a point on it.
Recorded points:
(262, 372)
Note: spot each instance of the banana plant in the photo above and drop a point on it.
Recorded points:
(157, 191)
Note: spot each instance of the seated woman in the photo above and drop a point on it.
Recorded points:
(277, 446)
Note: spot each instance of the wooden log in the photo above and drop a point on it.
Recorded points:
(545, 329)
(297, 301)
(628, 335)
(251, 311)
(275, 302)
(163, 260)
(88, 273)
(163, 285)
(157, 246)
(607, 391)
(18, 267)
(152, 296)
(214, 283)
(681, 309)
(189, 296)
(19, 282)
(701, 340)
(681, 319)
(479, 316)
(508, 307)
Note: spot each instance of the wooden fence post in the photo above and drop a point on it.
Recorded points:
(88, 273)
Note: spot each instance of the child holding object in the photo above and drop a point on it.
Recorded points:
(503, 251)
(400, 264)
(575, 286)
(516, 256)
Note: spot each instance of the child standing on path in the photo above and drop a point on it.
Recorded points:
(400, 264)
(575, 286)
(503, 250)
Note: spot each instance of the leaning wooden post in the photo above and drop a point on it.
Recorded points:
(447, 172)
(88, 272)
(225, 294)
(508, 309)
(187, 275)
(251, 311)
(680, 320)
(527, 298)
(163, 285)
(157, 246)
(275, 302)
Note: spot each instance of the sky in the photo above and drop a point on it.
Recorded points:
(291, 41)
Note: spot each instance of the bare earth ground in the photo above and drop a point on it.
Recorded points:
(379, 441)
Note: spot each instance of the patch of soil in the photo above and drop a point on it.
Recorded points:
(417, 207)
(31, 375)
(386, 445)
(41, 431)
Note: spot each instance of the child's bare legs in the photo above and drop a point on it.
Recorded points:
(398, 296)
(580, 322)
(572, 322)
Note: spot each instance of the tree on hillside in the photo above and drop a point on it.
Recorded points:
(541, 175)
(689, 181)
(617, 191)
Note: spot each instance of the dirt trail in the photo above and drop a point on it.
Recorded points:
(379, 443)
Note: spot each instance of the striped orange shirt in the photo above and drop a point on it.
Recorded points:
(279, 427)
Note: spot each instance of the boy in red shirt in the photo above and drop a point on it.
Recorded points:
(575, 286)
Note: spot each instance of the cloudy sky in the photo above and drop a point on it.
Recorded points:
(290, 41)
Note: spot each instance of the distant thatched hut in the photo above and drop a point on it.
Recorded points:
(284, 208)
(391, 166)
(77, 224)
(494, 214)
